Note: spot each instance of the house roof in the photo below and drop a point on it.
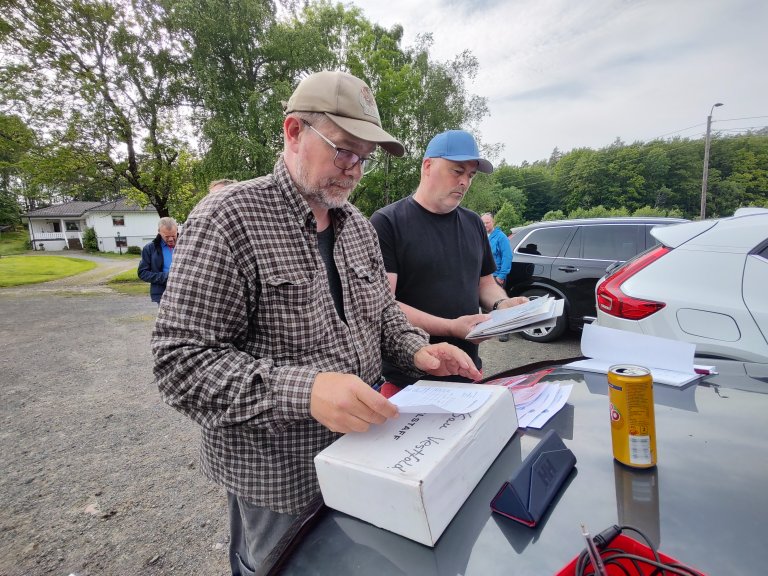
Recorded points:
(78, 208)
(123, 205)
(67, 209)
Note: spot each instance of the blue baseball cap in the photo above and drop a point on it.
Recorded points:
(459, 146)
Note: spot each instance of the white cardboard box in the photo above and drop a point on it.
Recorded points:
(411, 475)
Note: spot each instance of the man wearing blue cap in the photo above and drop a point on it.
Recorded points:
(436, 253)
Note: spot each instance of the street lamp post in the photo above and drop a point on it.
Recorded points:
(119, 244)
(706, 163)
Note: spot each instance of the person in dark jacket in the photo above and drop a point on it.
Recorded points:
(156, 258)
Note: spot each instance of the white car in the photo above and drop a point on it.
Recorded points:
(706, 283)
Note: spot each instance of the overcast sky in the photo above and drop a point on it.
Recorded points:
(579, 73)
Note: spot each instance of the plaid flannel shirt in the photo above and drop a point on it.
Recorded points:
(247, 322)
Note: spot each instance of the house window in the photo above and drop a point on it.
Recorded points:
(118, 220)
(72, 226)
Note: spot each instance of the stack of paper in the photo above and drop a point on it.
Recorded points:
(535, 402)
(538, 313)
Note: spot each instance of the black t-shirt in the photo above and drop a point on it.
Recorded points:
(438, 259)
(325, 242)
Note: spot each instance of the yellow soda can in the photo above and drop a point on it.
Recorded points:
(633, 422)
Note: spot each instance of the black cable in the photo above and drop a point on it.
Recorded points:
(683, 566)
(615, 556)
(616, 551)
(674, 569)
(606, 536)
(645, 538)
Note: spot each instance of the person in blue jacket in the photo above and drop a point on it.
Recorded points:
(502, 254)
(156, 258)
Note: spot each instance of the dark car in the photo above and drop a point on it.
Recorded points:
(566, 258)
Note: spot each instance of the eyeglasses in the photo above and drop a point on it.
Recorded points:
(346, 159)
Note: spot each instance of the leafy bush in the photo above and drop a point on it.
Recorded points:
(90, 240)
(598, 212)
(553, 215)
(134, 250)
(508, 217)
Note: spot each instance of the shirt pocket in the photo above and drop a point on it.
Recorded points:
(292, 312)
(367, 293)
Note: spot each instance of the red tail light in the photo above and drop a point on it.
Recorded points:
(610, 298)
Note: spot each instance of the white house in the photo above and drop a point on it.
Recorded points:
(118, 224)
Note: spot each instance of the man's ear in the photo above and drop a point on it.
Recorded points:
(291, 131)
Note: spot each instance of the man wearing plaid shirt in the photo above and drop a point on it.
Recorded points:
(278, 312)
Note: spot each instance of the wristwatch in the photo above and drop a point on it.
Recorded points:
(496, 304)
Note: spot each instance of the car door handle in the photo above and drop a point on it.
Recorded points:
(568, 268)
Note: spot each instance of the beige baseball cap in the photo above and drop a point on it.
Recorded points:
(348, 102)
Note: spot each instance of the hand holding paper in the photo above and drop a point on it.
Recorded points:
(536, 313)
(344, 403)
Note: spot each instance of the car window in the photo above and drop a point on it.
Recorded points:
(614, 242)
(545, 241)
(650, 241)
(574, 248)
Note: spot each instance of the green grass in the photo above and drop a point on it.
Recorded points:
(127, 276)
(116, 256)
(21, 270)
(128, 282)
(13, 242)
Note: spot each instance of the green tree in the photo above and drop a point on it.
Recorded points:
(684, 175)
(15, 141)
(417, 96)
(245, 64)
(598, 212)
(655, 169)
(508, 217)
(536, 184)
(553, 215)
(115, 71)
(483, 195)
(654, 211)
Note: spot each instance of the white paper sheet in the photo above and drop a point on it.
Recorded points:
(622, 346)
(561, 398)
(670, 361)
(436, 400)
(528, 413)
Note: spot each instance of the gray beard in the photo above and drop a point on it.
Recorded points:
(318, 196)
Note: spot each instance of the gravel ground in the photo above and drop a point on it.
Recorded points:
(99, 476)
